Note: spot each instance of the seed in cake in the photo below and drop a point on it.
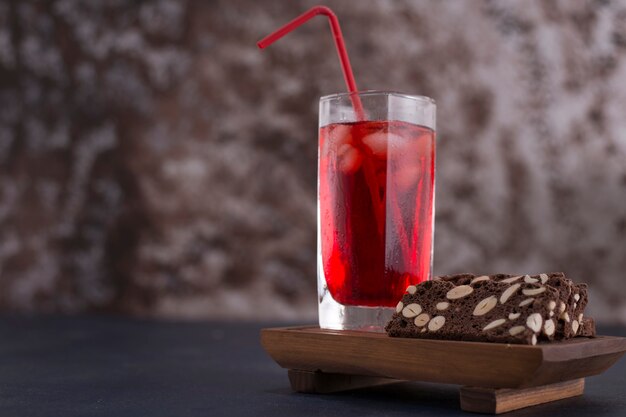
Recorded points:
(580, 318)
(526, 302)
(516, 330)
(552, 305)
(459, 292)
(534, 340)
(575, 326)
(480, 278)
(485, 306)
(411, 310)
(565, 316)
(421, 320)
(576, 297)
(509, 292)
(411, 289)
(534, 322)
(543, 278)
(528, 279)
(436, 323)
(399, 306)
(548, 327)
(513, 316)
(510, 280)
(443, 305)
(494, 324)
(562, 307)
(533, 291)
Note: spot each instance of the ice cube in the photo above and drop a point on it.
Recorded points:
(377, 143)
(349, 158)
(407, 175)
(401, 145)
(338, 136)
(406, 163)
(424, 145)
(408, 155)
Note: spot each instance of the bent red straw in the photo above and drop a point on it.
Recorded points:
(339, 43)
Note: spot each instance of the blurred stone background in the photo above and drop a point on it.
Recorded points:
(154, 162)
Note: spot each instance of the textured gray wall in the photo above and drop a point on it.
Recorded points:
(154, 162)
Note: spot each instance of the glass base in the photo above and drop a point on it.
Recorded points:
(336, 316)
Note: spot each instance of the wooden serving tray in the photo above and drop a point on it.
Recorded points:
(495, 377)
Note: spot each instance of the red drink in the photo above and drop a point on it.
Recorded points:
(376, 186)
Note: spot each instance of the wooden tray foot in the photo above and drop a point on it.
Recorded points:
(317, 382)
(498, 401)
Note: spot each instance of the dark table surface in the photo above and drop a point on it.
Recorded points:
(66, 366)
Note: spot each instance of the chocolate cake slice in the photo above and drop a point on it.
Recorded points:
(484, 310)
(570, 305)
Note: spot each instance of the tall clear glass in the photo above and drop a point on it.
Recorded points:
(375, 213)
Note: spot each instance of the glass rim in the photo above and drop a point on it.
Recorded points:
(416, 97)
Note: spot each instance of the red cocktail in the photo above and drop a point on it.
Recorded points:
(376, 181)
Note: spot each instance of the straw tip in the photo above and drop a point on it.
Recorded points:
(260, 45)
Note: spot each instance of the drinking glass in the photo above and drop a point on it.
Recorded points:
(376, 183)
